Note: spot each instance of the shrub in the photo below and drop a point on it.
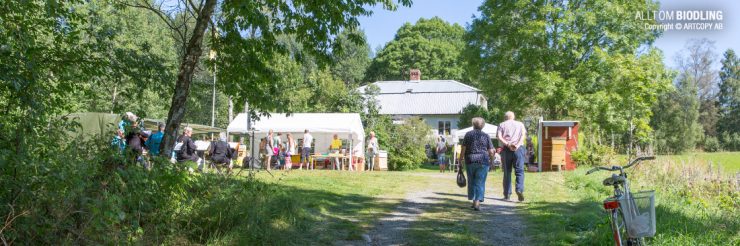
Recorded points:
(406, 144)
(593, 155)
(730, 141)
(711, 144)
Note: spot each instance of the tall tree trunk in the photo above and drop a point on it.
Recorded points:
(185, 75)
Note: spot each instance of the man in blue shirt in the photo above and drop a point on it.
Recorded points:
(118, 142)
(155, 140)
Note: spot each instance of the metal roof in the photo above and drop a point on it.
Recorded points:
(559, 123)
(425, 103)
(424, 97)
(422, 86)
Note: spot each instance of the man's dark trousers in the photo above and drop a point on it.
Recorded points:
(515, 160)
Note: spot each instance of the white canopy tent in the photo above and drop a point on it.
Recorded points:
(458, 135)
(488, 128)
(322, 127)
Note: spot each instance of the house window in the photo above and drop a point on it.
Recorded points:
(444, 127)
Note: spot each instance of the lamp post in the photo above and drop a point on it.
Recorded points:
(212, 56)
(252, 158)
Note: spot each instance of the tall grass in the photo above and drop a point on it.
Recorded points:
(696, 204)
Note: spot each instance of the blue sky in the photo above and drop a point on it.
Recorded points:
(382, 25)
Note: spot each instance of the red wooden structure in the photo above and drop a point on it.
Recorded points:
(557, 139)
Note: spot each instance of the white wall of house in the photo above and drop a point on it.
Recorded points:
(433, 122)
(450, 120)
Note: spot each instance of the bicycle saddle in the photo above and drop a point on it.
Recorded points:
(614, 179)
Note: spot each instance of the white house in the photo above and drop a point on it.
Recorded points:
(438, 102)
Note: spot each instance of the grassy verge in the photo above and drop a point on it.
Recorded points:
(693, 206)
(341, 205)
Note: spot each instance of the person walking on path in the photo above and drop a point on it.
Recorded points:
(306, 151)
(477, 150)
(511, 135)
(372, 151)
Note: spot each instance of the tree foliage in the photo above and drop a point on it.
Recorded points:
(249, 40)
(406, 144)
(676, 117)
(697, 61)
(431, 45)
(350, 64)
(584, 60)
(471, 111)
(139, 60)
(729, 101)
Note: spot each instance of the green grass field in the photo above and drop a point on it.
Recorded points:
(730, 161)
(562, 208)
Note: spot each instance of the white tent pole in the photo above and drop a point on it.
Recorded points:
(351, 146)
(454, 155)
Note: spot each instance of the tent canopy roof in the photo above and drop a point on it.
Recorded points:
(151, 124)
(491, 130)
(298, 122)
(105, 123)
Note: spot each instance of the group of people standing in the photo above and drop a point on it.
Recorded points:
(274, 149)
(478, 150)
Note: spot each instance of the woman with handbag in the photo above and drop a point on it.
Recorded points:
(477, 149)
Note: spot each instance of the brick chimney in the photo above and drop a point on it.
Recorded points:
(414, 75)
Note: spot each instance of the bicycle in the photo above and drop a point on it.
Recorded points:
(631, 215)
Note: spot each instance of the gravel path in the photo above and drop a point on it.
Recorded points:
(495, 213)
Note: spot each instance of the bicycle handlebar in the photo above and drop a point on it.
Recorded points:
(639, 159)
(615, 168)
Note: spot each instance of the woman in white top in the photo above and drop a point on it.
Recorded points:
(289, 151)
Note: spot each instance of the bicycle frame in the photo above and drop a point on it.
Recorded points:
(612, 205)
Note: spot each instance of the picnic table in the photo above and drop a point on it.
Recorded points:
(343, 159)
